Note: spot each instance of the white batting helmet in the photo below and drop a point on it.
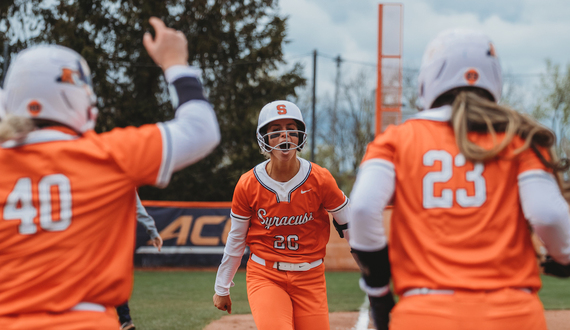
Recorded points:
(459, 58)
(2, 104)
(53, 83)
(279, 110)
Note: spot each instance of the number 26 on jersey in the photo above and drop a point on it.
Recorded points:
(448, 163)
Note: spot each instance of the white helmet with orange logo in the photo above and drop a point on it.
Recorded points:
(2, 104)
(51, 82)
(280, 110)
(459, 58)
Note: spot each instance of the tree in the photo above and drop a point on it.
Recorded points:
(237, 44)
(513, 94)
(553, 103)
(343, 131)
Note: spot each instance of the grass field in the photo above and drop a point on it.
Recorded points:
(183, 299)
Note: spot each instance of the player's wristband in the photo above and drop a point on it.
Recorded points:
(375, 267)
(340, 228)
(553, 268)
(185, 89)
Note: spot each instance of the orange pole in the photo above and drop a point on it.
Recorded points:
(379, 71)
(401, 69)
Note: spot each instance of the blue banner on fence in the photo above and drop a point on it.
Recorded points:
(194, 235)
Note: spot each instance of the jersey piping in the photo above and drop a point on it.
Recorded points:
(263, 184)
(340, 207)
(165, 170)
(533, 174)
(283, 193)
(239, 217)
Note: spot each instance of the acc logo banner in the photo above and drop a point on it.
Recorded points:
(194, 234)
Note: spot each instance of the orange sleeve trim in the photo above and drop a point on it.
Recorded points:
(212, 205)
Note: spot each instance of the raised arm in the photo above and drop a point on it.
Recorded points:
(194, 132)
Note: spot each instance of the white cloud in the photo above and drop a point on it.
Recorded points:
(525, 32)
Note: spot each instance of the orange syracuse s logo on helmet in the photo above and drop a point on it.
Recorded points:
(68, 76)
(471, 76)
(34, 108)
(281, 109)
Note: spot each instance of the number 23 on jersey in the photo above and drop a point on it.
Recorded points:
(449, 164)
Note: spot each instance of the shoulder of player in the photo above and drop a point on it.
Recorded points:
(409, 130)
(317, 169)
(412, 124)
(249, 177)
(319, 173)
(124, 135)
(124, 130)
(423, 118)
(392, 131)
(512, 151)
(246, 177)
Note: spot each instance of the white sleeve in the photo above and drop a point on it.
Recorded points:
(233, 252)
(547, 212)
(373, 189)
(342, 214)
(146, 220)
(193, 133)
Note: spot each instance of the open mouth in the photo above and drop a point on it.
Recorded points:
(284, 146)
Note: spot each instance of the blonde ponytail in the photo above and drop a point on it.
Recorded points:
(473, 113)
(15, 128)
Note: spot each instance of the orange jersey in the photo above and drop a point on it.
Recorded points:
(68, 204)
(455, 224)
(288, 221)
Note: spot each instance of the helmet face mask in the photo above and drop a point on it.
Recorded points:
(286, 145)
(277, 110)
(51, 83)
(458, 58)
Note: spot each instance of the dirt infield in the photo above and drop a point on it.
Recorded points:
(338, 321)
(555, 319)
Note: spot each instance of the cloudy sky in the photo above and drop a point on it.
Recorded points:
(525, 32)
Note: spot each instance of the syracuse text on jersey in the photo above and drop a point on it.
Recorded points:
(293, 220)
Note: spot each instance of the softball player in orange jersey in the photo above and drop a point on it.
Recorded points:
(280, 210)
(67, 201)
(467, 177)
